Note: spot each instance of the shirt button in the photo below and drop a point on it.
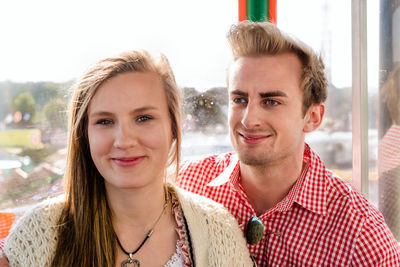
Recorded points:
(276, 233)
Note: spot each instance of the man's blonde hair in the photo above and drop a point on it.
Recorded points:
(252, 39)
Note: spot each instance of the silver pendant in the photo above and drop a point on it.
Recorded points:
(135, 262)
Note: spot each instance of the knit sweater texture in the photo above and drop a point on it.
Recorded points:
(216, 238)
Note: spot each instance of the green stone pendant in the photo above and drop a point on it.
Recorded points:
(254, 230)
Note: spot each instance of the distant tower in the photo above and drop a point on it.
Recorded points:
(326, 44)
(326, 52)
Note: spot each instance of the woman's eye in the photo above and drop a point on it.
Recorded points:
(104, 122)
(144, 118)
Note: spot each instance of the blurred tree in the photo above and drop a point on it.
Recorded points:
(42, 92)
(5, 103)
(45, 91)
(205, 110)
(220, 95)
(25, 103)
(55, 113)
(189, 92)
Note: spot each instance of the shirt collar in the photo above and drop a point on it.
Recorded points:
(230, 173)
(309, 190)
(312, 193)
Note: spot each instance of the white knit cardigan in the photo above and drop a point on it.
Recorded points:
(216, 238)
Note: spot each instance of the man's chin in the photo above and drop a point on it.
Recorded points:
(252, 160)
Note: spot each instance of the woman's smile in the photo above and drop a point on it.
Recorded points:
(127, 161)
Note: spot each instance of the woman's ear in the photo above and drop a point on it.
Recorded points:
(313, 118)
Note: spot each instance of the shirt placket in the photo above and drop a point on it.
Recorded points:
(260, 248)
(247, 210)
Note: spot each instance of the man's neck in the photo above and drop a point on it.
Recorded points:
(266, 186)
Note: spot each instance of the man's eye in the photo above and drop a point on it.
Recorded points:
(104, 122)
(271, 102)
(144, 118)
(239, 100)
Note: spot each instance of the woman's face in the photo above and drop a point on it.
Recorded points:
(129, 130)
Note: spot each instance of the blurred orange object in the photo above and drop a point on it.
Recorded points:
(6, 220)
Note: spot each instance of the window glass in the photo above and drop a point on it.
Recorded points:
(326, 26)
(373, 97)
(32, 112)
(389, 118)
(46, 46)
(33, 135)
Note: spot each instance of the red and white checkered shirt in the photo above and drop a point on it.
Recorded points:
(389, 150)
(321, 222)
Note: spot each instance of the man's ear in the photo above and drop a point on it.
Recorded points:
(313, 118)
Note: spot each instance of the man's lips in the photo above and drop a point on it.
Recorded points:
(127, 161)
(253, 138)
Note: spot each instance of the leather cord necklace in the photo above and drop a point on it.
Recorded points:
(131, 260)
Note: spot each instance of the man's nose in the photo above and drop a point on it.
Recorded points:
(252, 116)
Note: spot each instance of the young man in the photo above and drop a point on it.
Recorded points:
(277, 87)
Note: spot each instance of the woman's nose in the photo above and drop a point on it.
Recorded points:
(125, 137)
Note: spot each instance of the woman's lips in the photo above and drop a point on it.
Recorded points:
(127, 161)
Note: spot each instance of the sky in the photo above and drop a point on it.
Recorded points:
(58, 40)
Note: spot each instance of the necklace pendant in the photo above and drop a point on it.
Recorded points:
(129, 261)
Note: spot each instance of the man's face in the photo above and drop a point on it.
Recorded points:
(266, 119)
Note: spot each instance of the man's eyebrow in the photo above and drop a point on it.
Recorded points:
(263, 95)
(273, 93)
(238, 92)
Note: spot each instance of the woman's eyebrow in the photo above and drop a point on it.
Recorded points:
(107, 113)
(100, 113)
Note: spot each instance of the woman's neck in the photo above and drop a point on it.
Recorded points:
(134, 213)
(136, 208)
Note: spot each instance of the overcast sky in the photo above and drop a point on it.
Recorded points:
(57, 40)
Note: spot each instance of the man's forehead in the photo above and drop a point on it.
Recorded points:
(273, 69)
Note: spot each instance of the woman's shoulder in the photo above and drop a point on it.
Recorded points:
(46, 213)
(216, 236)
(200, 203)
(32, 238)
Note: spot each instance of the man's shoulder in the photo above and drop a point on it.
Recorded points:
(340, 194)
(342, 191)
(357, 223)
(216, 160)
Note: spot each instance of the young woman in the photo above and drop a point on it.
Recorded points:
(118, 209)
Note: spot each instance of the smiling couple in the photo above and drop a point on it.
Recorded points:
(276, 194)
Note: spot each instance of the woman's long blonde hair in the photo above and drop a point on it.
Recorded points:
(85, 235)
